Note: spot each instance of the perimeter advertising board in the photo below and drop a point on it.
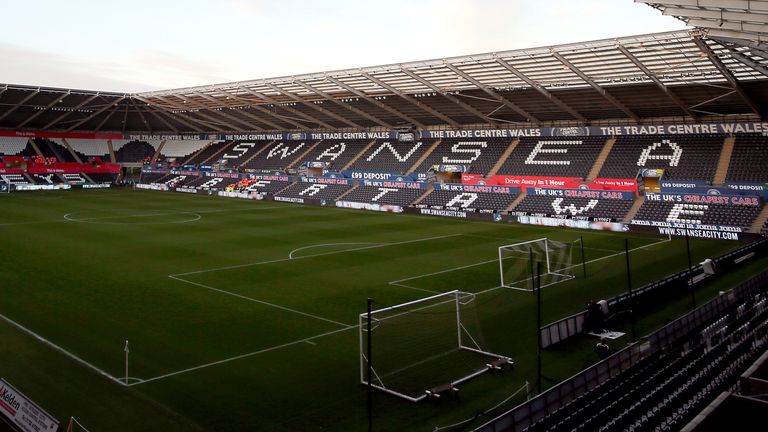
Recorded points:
(22, 412)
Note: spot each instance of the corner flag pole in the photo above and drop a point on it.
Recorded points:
(126, 361)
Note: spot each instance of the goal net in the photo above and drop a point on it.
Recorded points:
(423, 345)
(518, 263)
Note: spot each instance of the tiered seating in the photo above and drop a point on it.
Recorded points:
(103, 177)
(337, 153)
(11, 146)
(240, 151)
(14, 179)
(152, 178)
(50, 149)
(181, 149)
(471, 201)
(207, 153)
(136, 151)
(279, 155)
(314, 190)
(391, 156)
(684, 157)
(384, 195)
(573, 207)
(268, 186)
(209, 182)
(554, 157)
(749, 159)
(709, 214)
(479, 154)
(88, 148)
(45, 179)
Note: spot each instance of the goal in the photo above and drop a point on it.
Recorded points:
(424, 345)
(518, 263)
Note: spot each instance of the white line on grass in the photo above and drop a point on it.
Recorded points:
(242, 356)
(315, 255)
(194, 217)
(290, 255)
(61, 350)
(258, 301)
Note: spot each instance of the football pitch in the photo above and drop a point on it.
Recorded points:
(243, 315)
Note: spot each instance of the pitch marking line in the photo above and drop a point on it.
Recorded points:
(194, 217)
(290, 255)
(314, 255)
(246, 355)
(63, 351)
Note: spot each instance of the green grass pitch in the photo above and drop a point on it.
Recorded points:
(243, 315)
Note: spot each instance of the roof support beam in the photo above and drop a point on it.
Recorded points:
(255, 117)
(306, 117)
(74, 109)
(20, 103)
(465, 106)
(229, 116)
(528, 116)
(141, 115)
(201, 114)
(673, 97)
(546, 93)
(169, 111)
(106, 118)
(749, 62)
(615, 102)
(756, 48)
(106, 107)
(313, 106)
(47, 107)
(379, 104)
(411, 99)
(164, 121)
(175, 116)
(727, 75)
(345, 106)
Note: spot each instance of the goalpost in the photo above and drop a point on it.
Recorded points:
(517, 263)
(425, 346)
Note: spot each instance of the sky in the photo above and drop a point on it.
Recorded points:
(142, 45)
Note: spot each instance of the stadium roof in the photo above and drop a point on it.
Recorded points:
(681, 76)
(742, 19)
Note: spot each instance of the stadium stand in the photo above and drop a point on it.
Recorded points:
(209, 182)
(481, 154)
(279, 155)
(241, 151)
(152, 178)
(180, 149)
(11, 146)
(46, 178)
(51, 149)
(136, 151)
(87, 148)
(573, 207)
(470, 201)
(207, 153)
(384, 195)
(314, 190)
(103, 177)
(715, 214)
(749, 159)
(267, 186)
(391, 156)
(336, 152)
(684, 157)
(557, 157)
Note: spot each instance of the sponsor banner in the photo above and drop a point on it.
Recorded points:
(93, 186)
(270, 177)
(186, 190)
(186, 173)
(325, 180)
(582, 193)
(723, 228)
(24, 413)
(353, 135)
(317, 164)
(184, 137)
(476, 179)
(681, 232)
(12, 171)
(711, 190)
(148, 170)
(569, 223)
(242, 195)
(261, 137)
(734, 200)
(105, 136)
(289, 199)
(385, 176)
(541, 182)
(370, 206)
(477, 188)
(450, 168)
(201, 168)
(696, 129)
(397, 185)
(617, 184)
(452, 213)
(152, 186)
(652, 172)
(749, 188)
(38, 187)
(683, 184)
(227, 175)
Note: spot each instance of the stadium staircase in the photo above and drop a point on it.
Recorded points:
(192, 156)
(35, 147)
(503, 157)
(725, 160)
(358, 156)
(639, 200)
(341, 197)
(517, 200)
(300, 158)
(600, 161)
(157, 152)
(424, 157)
(71, 150)
(112, 157)
(759, 221)
(216, 155)
(258, 152)
(424, 195)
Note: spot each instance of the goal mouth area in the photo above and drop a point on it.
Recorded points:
(536, 263)
(419, 382)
